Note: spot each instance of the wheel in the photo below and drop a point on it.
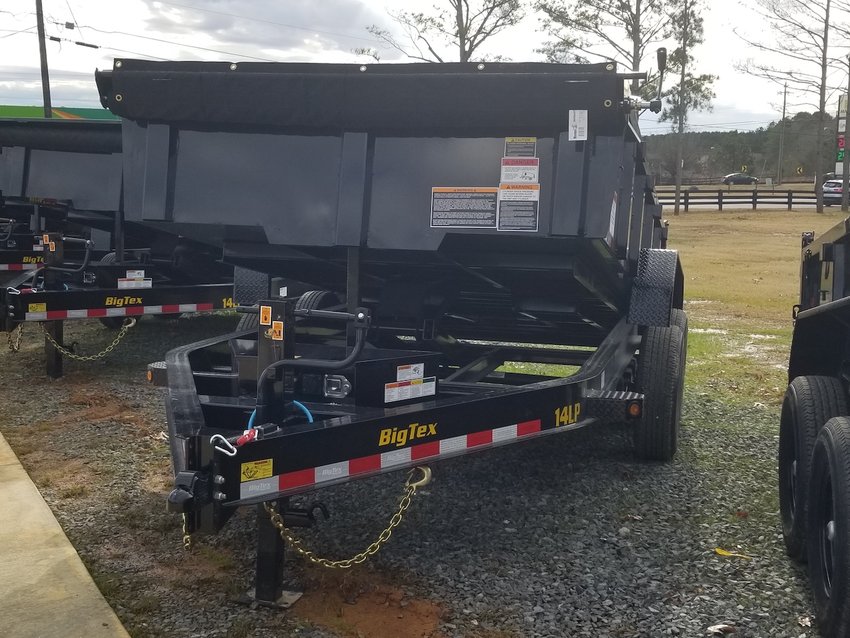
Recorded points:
(809, 402)
(661, 375)
(113, 323)
(828, 519)
(316, 300)
(248, 321)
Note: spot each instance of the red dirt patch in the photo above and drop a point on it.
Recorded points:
(361, 607)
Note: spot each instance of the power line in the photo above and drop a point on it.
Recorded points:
(10, 32)
(171, 42)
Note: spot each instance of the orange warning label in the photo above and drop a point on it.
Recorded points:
(52, 246)
(265, 315)
(277, 331)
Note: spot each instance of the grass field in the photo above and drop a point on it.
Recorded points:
(741, 281)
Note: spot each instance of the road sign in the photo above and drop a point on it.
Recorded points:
(799, 170)
(744, 168)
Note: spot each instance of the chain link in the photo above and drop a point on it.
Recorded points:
(129, 322)
(15, 342)
(187, 536)
(297, 544)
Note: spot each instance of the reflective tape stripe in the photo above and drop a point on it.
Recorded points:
(87, 313)
(387, 460)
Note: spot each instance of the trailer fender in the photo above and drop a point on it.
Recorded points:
(658, 287)
(820, 341)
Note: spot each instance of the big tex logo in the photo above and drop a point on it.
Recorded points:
(120, 302)
(400, 436)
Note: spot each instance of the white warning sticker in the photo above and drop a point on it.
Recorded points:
(519, 206)
(520, 170)
(410, 371)
(577, 129)
(412, 389)
(463, 207)
(141, 282)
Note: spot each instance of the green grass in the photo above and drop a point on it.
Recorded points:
(741, 280)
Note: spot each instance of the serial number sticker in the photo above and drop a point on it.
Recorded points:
(37, 307)
(256, 470)
(265, 315)
(277, 331)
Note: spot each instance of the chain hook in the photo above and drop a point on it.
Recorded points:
(422, 482)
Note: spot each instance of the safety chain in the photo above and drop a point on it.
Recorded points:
(187, 536)
(15, 342)
(129, 322)
(410, 488)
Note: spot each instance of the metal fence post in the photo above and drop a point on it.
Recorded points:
(755, 199)
(720, 200)
(687, 200)
(790, 199)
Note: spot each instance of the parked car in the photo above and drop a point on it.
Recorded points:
(740, 178)
(832, 192)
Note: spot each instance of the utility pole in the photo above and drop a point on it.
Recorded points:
(845, 170)
(42, 50)
(781, 137)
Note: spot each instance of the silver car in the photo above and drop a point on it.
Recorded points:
(832, 192)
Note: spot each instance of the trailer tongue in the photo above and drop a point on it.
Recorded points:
(413, 243)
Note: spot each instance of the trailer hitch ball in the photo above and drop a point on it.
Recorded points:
(180, 501)
(190, 489)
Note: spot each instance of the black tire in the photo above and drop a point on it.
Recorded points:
(248, 321)
(810, 401)
(828, 519)
(113, 323)
(661, 375)
(316, 300)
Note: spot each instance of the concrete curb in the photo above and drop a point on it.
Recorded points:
(45, 590)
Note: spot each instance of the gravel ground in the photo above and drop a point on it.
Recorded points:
(562, 536)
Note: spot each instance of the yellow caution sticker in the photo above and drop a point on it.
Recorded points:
(256, 470)
(277, 331)
(265, 315)
(37, 307)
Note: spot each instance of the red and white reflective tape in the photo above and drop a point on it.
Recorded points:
(18, 266)
(125, 311)
(433, 450)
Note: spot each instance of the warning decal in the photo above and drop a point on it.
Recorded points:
(256, 470)
(411, 389)
(410, 371)
(518, 207)
(520, 146)
(522, 170)
(463, 207)
(265, 315)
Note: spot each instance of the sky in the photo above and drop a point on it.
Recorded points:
(313, 31)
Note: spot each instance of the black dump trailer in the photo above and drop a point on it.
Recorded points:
(411, 240)
(814, 435)
(66, 251)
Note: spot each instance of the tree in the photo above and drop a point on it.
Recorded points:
(803, 29)
(585, 29)
(461, 24)
(692, 92)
